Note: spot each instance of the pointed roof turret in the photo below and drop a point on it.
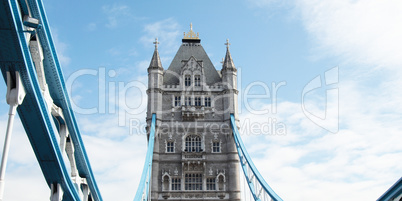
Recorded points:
(155, 61)
(228, 62)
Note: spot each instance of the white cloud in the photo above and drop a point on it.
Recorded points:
(22, 171)
(114, 14)
(309, 162)
(114, 51)
(61, 49)
(363, 31)
(117, 164)
(362, 160)
(266, 3)
(167, 32)
(91, 26)
(358, 163)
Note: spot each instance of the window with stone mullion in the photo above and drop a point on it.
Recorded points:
(177, 101)
(193, 143)
(187, 80)
(176, 184)
(207, 102)
(211, 185)
(170, 147)
(187, 101)
(193, 181)
(197, 101)
(197, 80)
(216, 147)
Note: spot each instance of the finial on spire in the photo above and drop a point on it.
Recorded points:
(156, 42)
(191, 34)
(223, 60)
(227, 43)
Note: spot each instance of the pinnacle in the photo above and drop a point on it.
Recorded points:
(156, 61)
(228, 62)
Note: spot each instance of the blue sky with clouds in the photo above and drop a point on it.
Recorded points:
(104, 46)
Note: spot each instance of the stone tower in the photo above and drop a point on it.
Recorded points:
(195, 157)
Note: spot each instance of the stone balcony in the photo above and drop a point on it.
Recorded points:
(193, 156)
(190, 113)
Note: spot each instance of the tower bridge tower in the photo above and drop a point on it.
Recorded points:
(194, 157)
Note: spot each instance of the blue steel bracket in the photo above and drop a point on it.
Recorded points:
(255, 180)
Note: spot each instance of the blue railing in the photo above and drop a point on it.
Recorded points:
(143, 189)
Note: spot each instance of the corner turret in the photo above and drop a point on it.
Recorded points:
(229, 80)
(155, 81)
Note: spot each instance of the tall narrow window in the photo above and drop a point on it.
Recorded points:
(216, 147)
(187, 80)
(211, 186)
(207, 102)
(197, 80)
(177, 101)
(193, 182)
(176, 184)
(197, 101)
(187, 101)
(193, 143)
(169, 147)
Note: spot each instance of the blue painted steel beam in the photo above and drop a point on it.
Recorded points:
(243, 152)
(143, 187)
(58, 91)
(393, 192)
(34, 114)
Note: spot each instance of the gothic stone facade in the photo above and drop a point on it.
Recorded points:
(195, 157)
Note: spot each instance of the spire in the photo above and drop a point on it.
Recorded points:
(228, 62)
(156, 61)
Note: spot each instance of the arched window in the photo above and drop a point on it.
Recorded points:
(193, 143)
(187, 80)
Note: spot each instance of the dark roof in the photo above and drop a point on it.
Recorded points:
(186, 50)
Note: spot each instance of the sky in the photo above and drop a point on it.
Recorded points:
(319, 86)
